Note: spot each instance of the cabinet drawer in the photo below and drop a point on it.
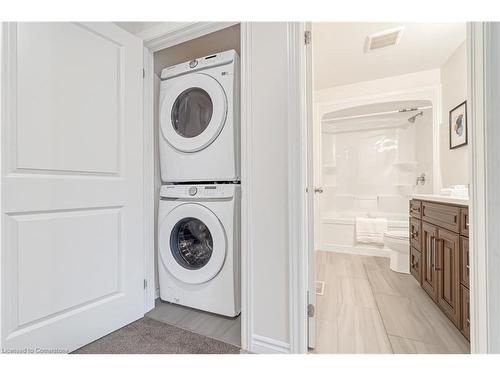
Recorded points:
(465, 315)
(415, 232)
(415, 264)
(464, 222)
(464, 261)
(416, 208)
(441, 215)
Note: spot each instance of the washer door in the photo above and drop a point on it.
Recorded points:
(193, 112)
(192, 243)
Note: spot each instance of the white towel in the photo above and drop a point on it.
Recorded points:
(371, 230)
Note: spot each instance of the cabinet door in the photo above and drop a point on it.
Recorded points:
(465, 310)
(429, 276)
(415, 264)
(448, 271)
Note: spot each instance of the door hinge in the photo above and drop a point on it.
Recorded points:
(307, 37)
(143, 73)
(145, 283)
(310, 310)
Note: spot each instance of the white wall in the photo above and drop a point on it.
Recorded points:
(392, 84)
(266, 187)
(454, 163)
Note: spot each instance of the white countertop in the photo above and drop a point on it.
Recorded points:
(441, 198)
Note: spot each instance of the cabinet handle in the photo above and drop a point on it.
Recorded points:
(432, 244)
(436, 242)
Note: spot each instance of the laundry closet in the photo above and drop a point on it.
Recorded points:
(197, 185)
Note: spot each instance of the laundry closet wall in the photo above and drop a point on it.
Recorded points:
(266, 130)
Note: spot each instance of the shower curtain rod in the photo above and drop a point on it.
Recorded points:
(404, 110)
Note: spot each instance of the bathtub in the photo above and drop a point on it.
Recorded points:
(337, 233)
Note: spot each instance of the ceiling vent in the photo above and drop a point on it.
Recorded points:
(383, 39)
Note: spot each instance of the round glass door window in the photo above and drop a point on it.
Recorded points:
(191, 112)
(191, 243)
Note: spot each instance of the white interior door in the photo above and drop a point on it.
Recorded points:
(311, 295)
(72, 254)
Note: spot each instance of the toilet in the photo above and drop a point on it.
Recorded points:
(398, 244)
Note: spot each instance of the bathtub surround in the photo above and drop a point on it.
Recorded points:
(371, 156)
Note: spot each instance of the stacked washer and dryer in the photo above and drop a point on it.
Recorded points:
(199, 209)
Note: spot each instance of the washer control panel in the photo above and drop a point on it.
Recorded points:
(198, 191)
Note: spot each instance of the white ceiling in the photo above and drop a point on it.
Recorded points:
(339, 58)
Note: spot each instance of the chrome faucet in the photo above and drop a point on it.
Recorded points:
(421, 179)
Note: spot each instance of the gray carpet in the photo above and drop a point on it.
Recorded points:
(148, 336)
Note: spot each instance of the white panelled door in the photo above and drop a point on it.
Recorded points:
(72, 262)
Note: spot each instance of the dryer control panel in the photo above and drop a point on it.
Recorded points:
(200, 63)
(206, 191)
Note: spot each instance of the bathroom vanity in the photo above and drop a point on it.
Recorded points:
(439, 253)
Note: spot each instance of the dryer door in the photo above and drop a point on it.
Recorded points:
(193, 111)
(192, 243)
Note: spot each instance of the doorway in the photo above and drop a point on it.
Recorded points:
(378, 138)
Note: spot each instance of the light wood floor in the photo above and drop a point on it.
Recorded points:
(218, 327)
(367, 308)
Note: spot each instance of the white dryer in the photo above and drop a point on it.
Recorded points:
(199, 120)
(199, 247)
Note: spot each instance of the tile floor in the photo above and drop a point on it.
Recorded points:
(367, 308)
(217, 327)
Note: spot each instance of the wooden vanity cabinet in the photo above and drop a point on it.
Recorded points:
(442, 250)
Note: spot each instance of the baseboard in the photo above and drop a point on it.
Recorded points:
(378, 252)
(266, 345)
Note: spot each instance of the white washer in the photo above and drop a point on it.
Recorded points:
(199, 120)
(199, 247)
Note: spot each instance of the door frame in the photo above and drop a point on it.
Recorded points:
(484, 206)
(483, 93)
